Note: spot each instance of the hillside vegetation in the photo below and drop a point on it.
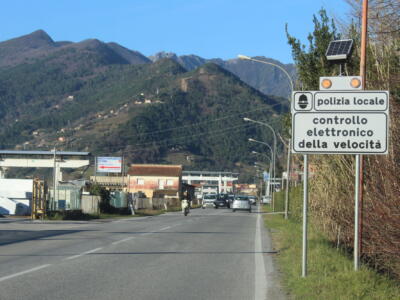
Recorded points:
(108, 100)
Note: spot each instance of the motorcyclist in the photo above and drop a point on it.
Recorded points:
(185, 203)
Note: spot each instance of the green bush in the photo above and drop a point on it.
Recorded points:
(69, 215)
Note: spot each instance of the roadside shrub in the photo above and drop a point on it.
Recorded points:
(69, 215)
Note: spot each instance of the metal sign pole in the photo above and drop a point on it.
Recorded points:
(356, 213)
(305, 209)
(287, 179)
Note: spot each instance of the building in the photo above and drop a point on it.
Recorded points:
(250, 189)
(114, 183)
(208, 182)
(152, 179)
(15, 196)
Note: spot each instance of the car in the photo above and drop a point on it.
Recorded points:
(253, 200)
(230, 200)
(208, 200)
(220, 202)
(241, 202)
(266, 199)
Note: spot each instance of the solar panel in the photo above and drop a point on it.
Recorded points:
(339, 49)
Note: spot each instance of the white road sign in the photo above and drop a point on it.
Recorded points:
(109, 164)
(340, 101)
(344, 122)
(351, 101)
(340, 133)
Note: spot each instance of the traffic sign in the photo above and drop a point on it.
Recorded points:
(340, 122)
(266, 176)
(354, 101)
(109, 164)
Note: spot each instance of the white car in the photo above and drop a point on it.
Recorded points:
(208, 200)
(266, 199)
(241, 202)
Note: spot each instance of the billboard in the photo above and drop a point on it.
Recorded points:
(109, 164)
(266, 176)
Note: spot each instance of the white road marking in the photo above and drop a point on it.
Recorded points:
(147, 233)
(24, 272)
(121, 241)
(82, 254)
(165, 228)
(259, 270)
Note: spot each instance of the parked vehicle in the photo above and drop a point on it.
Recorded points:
(253, 200)
(266, 199)
(220, 202)
(208, 200)
(241, 202)
(231, 197)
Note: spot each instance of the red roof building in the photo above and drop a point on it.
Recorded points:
(149, 178)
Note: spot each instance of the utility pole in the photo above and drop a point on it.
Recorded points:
(358, 224)
(54, 180)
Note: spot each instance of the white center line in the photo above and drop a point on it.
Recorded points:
(82, 254)
(24, 272)
(147, 233)
(121, 241)
(165, 228)
(259, 270)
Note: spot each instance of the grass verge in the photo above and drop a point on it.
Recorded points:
(331, 272)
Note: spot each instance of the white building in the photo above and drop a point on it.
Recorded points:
(221, 181)
(15, 196)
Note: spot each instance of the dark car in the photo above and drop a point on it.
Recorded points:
(231, 197)
(253, 200)
(220, 202)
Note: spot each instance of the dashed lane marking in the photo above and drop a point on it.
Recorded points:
(124, 240)
(24, 272)
(82, 254)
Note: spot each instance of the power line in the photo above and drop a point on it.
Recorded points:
(210, 134)
(203, 122)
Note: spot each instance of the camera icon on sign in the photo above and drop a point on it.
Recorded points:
(303, 101)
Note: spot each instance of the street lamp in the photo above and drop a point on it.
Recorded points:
(244, 57)
(273, 161)
(274, 156)
(268, 186)
(259, 174)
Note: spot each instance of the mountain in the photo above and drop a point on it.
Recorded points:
(36, 45)
(110, 100)
(17, 50)
(133, 57)
(265, 78)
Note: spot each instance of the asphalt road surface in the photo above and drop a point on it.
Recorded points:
(210, 254)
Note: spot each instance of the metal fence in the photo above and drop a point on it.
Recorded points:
(68, 197)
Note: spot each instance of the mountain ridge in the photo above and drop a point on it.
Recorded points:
(28, 48)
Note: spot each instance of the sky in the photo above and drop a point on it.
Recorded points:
(208, 28)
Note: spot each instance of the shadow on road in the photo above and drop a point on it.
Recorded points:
(17, 236)
(183, 252)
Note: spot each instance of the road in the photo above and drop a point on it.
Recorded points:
(210, 254)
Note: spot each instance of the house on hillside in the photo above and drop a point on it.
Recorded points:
(155, 180)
